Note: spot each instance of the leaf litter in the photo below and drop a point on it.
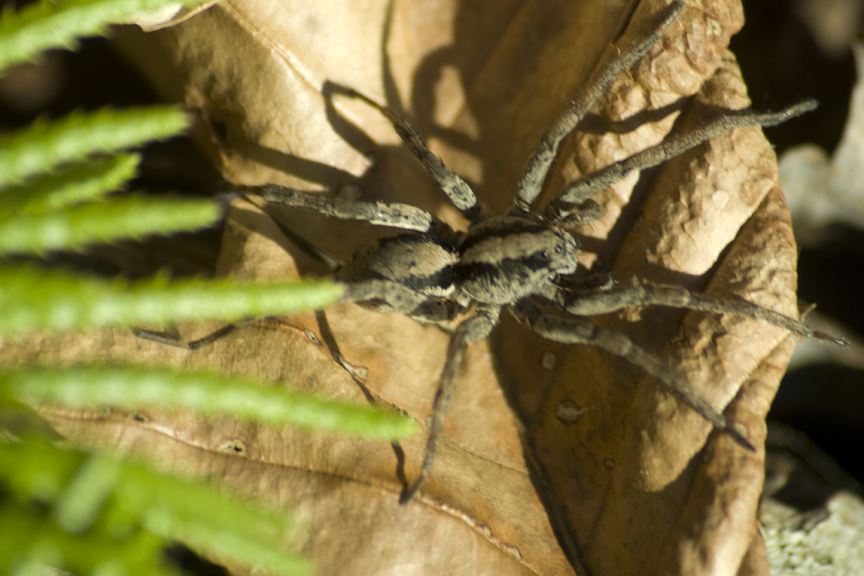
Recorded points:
(637, 484)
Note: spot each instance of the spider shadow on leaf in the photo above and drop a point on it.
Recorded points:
(521, 260)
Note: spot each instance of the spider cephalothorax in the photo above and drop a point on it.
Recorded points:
(520, 260)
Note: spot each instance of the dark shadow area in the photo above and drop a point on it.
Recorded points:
(179, 556)
(89, 79)
(825, 403)
(782, 64)
(62, 81)
(832, 276)
(596, 124)
(799, 474)
(310, 170)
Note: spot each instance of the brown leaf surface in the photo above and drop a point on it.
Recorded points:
(634, 483)
(629, 480)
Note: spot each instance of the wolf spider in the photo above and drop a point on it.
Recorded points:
(520, 260)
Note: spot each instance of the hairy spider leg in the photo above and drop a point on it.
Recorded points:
(461, 195)
(614, 299)
(390, 214)
(457, 190)
(402, 299)
(473, 329)
(579, 331)
(537, 168)
(176, 341)
(671, 147)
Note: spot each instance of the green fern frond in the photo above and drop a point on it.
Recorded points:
(245, 550)
(45, 25)
(123, 514)
(43, 145)
(38, 542)
(101, 516)
(206, 393)
(41, 299)
(128, 217)
(36, 472)
(189, 515)
(82, 499)
(86, 181)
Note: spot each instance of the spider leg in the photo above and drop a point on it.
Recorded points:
(671, 147)
(534, 174)
(594, 303)
(570, 330)
(388, 297)
(312, 250)
(456, 189)
(392, 214)
(175, 340)
(399, 299)
(475, 328)
(582, 214)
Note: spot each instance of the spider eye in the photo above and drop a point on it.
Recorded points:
(558, 249)
(545, 254)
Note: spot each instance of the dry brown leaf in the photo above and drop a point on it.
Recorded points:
(624, 471)
(638, 493)
(480, 514)
(169, 15)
